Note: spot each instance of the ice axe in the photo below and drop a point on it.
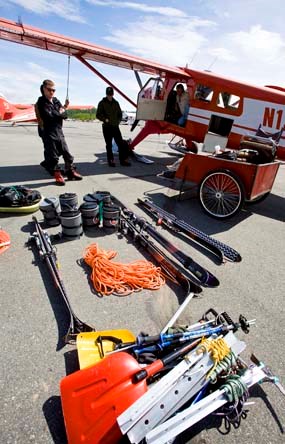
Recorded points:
(94, 397)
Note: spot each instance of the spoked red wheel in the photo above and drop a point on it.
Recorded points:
(221, 194)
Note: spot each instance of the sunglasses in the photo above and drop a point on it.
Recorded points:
(50, 89)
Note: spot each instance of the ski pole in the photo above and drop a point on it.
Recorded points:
(158, 342)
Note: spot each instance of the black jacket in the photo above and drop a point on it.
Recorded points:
(51, 117)
(111, 110)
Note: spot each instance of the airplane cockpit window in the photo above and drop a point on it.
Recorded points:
(227, 100)
(203, 93)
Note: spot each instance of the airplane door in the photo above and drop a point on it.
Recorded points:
(151, 104)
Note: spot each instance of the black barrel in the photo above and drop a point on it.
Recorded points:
(50, 207)
(98, 196)
(71, 223)
(68, 201)
(90, 214)
(111, 216)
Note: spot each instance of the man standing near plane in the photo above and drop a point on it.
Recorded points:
(182, 100)
(52, 113)
(110, 113)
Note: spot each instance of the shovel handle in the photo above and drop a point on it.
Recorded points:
(158, 365)
(148, 371)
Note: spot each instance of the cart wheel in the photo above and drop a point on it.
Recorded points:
(257, 199)
(221, 194)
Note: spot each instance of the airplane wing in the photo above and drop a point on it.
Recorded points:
(30, 36)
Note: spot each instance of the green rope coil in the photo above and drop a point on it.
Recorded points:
(225, 365)
(234, 388)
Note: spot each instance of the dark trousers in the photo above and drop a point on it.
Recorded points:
(113, 132)
(53, 149)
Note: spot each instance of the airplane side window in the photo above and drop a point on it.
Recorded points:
(153, 90)
(203, 93)
(228, 101)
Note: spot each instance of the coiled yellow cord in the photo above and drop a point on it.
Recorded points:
(217, 348)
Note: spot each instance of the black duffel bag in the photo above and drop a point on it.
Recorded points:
(18, 196)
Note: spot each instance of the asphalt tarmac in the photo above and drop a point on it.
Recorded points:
(33, 358)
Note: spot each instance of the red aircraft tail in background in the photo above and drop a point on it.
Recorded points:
(25, 113)
(10, 112)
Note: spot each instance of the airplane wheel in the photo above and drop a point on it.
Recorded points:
(221, 194)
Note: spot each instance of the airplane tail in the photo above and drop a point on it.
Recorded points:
(7, 110)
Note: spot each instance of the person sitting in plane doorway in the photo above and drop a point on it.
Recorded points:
(183, 102)
(172, 113)
(51, 113)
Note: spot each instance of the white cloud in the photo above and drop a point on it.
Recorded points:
(245, 47)
(169, 41)
(222, 54)
(67, 9)
(142, 7)
(259, 43)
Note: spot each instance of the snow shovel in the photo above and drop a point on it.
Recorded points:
(94, 397)
(93, 346)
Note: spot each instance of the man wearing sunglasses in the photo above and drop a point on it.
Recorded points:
(51, 114)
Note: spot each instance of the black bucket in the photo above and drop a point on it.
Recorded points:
(50, 207)
(90, 214)
(68, 201)
(104, 196)
(71, 223)
(99, 196)
(111, 216)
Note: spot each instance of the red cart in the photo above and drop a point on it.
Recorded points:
(224, 185)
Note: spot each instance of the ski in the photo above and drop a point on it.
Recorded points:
(141, 158)
(127, 227)
(203, 276)
(48, 254)
(169, 220)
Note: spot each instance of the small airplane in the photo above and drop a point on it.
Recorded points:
(22, 113)
(222, 110)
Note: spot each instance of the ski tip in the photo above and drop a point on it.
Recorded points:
(195, 288)
(233, 257)
(211, 281)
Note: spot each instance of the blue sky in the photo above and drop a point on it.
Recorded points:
(243, 39)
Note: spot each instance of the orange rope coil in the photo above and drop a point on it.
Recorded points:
(121, 279)
(5, 241)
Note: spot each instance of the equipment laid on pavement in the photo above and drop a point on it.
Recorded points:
(203, 276)
(93, 398)
(48, 255)
(174, 389)
(50, 207)
(95, 345)
(121, 279)
(167, 219)
(19, 199)
(5, 241)
(128, 227)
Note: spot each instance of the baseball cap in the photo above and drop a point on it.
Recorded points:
(109, 91)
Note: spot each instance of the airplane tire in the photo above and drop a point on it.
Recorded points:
(221, 194)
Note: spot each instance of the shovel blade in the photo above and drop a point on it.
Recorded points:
(94, 397)
(93, 346)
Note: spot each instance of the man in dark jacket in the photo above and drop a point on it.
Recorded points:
(110, 113)
(51, 113)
